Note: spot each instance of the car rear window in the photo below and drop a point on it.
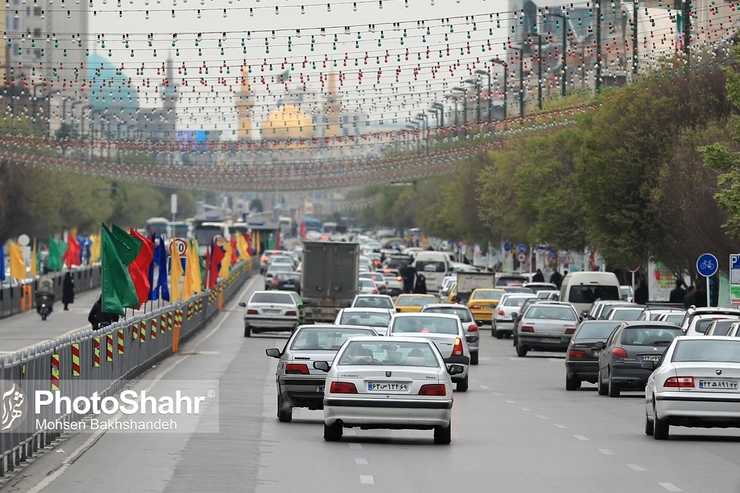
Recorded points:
(414, 300)
(649, 336)
(425, 325)
(674, 319)
(391, 354)
(599, 330)
(551, 312)
(514, 301)
(510, 281)
(723, 327)
(373, 319)
(373, 302)
(707, 351)
(584, 293)
(430, 266)
(487, 295)
(315, 339)
(624, 314)
(703, 325)
(462, 313)
(288, 277)
(283, 298)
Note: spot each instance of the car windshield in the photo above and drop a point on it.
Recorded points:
(597, 330)
(425, 325)
(373, 319)
(367, 283)
(588, 294)
(516, 301)
(280, 268)
(414, 300)
(649, 336)
(674, 318)
(509, 281)
(550, 312)
(316, 339)
(389, 354)
(702, 350)
(288, 277)
(722, 327)
(513, 289)
(605, 308)
(280, 298)
(487, 295)
(280, 259)
(430, 266)
(462, 313)
(374, 302)
(624, 314)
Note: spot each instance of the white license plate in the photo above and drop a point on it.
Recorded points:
(320, 388)
(651, 357)
(549, 341)
(387, 387)
(270, 311)
(289, 285)
(718, 384)
(596, 352)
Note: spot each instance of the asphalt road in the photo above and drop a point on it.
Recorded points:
(515, 430)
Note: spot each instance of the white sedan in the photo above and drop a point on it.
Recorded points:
(388, 382)
(697, 384)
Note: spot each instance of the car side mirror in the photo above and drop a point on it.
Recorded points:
(242, 304)
(580, 319)
(648, 365)
(273, 352)
(398, 310)
(455, 369)
(514, 314)
(321, 365)
(600, 345)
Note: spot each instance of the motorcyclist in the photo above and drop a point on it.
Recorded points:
(45, 289)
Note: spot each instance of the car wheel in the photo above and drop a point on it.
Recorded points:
(285, 410)
(442, 435)
(648, 425)
(474, 357)
(601, 387)
(333, 433)
(571, 383)
(521, 351)
(499, 334)
(247, 331)
(613, 388)
(462, 385)
(660, 427)
(493, 332)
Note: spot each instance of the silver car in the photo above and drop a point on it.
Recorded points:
(393, 282)
(270, 311)
(546, 326)
(502, 321)
(472, 333)
(445, 331)
(298, 383)
(367, 286)
(373, 301)
(377, 318)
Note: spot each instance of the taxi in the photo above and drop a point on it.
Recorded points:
(482, 302)
(413, 303)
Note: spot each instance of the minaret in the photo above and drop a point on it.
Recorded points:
(170, 97)
(244, 105)
(333, 108)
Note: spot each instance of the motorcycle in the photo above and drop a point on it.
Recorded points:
(44, 303)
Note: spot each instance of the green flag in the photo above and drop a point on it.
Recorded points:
(56, 252)
(203, 273)
(118, 288)
(133, 245)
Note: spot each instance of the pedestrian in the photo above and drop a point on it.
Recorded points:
(408, 273)
(700, 296)
(421, 285)
(688, 300)
(557, 279)
(641, 293)
(678, 294)
(538, 277)
(98, 318)
(68, 290)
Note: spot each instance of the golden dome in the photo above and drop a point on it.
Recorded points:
(287, 122)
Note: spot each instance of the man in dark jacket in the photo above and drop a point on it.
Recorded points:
(538, 277)
(700, 296)
(98, 318)
(557, 279)
(408, 273)
(688, 300)
(677, 295)
(68, 290)
(641, 293)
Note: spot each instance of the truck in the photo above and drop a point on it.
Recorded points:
(330, 276)
(467, 282)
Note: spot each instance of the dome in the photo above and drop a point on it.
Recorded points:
(109, 87)
(287, 122)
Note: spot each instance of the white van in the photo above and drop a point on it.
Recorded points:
(583, 288)
(434, 266)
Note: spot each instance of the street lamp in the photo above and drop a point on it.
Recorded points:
(539, 64)
(464, 92)
(439, 109)
(425, 119)
(506, 74)
(564, 65)
(476, 83)
(490, 99)
(521, 80)
(414, 125)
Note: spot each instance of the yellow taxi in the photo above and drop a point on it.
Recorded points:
(452, 293)
(482, 302)
(411, 303)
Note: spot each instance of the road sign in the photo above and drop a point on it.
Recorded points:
(507, 247)
(181, 245)
(218, 237)
(633, 268)
(522, 248)
(707, 265)
(735, 279)
(24, 240)
(521, 257)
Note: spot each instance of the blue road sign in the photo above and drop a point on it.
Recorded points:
(507, 247)
(707, 264)
(522, 248)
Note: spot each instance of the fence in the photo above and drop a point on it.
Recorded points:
(103, 361)
(15, 299)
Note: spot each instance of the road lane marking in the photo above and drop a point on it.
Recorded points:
(360, 462)
(510, 402)
(556, 360)
(495, 393)
(581, 437)
(356, 446)
(542, 417)
(635, 467)
(670, 486)
(560, 426)
(484, 358)
(606, 451)
(525, 409)
(485, 387)
(370, 480)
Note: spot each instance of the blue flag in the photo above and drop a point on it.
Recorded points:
(2, 262)
(159, 288)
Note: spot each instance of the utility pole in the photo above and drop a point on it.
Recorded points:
(634, 35)
(521, 84)
(686, 12)
(598, 46)
(490, 99)
(539, 71)
(506, 74)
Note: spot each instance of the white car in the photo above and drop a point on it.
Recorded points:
(388, 382)
(393, 282)
(696, 384)
(377, 318)
(270, 311)
(700, 323)
(690, 326)
(373, 301)
(445, 331)
(472, 333)
(367, 286)
(502, 321)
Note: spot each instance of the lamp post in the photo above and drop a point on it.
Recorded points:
(425, 120)
(598, 45)
(439, 108)
(490, 99)
(506, 74)
(463, 92)
(455, 96)
(476, 83)
(415, 125)
(564, 66)
(34, 101)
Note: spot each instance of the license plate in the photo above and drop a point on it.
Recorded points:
(387, 387)
(651, 357)
(549, 341)
(289, 285)
(320, 388)
(718, 384)
(267, 310)
(596, 352)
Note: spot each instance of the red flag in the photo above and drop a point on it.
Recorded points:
(217, 255)
(139, 268)
(303, 229)
(234, 252)
(72, 255)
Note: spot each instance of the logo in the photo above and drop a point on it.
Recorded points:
(718, 372)
(14, 405)
(387, 374)
(655, 349)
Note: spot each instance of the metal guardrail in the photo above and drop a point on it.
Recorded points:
(102, 361)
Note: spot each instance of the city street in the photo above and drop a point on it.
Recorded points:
(515, 430)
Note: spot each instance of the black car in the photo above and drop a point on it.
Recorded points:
(287, 281)
(627, 348)
(582, 358)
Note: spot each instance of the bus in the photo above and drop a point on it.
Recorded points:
(179, 229)
(204, 233)
(156, 225)
(312, 224)
(286, 225)
(329, 228)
